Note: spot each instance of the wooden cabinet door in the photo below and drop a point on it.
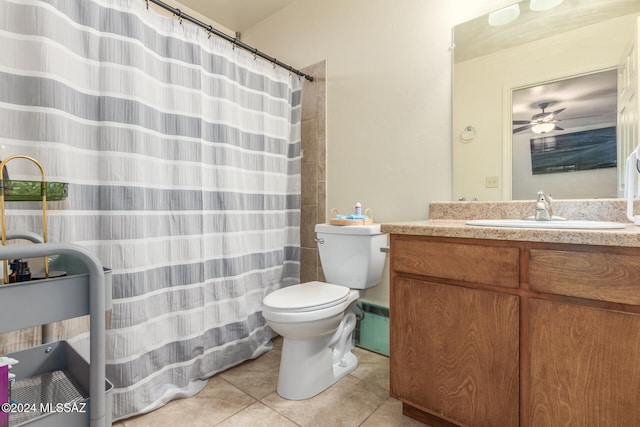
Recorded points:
(455, 352)
(584, 366)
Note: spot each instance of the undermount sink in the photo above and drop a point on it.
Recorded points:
(561, 224)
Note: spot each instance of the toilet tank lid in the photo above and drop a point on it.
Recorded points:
(367, 230)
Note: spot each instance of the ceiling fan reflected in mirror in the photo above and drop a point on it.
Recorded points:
(541, 122)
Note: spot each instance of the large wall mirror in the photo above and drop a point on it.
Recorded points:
(560, 64)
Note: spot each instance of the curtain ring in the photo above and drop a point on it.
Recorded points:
(255, 54)
(274, 63)
(147, 2)
(179, 16)
(210, 31)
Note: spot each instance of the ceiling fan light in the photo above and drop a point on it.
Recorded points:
(504, 15)
(543, 127)
(539, 5)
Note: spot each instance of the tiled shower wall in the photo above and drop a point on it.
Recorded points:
(314, 162)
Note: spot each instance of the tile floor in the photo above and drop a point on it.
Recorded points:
(246, 396)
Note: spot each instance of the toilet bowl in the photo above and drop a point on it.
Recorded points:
(317, 319)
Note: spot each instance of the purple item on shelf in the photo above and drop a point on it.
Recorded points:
(4, 394)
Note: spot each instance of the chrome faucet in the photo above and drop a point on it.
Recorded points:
(544, 212)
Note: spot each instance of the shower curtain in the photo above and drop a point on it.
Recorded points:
(182, 156)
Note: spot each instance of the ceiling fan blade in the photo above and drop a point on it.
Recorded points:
(543, 118)
(520, 129)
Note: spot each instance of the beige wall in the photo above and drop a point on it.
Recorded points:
(207, 20)
(388, 97)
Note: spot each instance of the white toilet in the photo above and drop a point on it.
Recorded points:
(316, 319)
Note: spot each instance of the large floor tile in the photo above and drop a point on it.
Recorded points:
(217, 401)
(389, 414)
(372, 367)
(257, 377)
(173, 413)
(257, 415)
(347, 403)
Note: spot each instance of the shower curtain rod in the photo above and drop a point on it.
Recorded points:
(210, 30)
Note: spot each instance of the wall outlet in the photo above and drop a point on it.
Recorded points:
(491, 182)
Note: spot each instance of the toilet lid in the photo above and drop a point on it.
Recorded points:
(306, 297)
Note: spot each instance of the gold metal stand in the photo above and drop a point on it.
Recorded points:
(43, 193)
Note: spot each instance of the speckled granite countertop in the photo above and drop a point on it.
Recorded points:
(447, 219)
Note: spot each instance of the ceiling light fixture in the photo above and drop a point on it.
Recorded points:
(543, 127)
(538, 5)
(504, 15)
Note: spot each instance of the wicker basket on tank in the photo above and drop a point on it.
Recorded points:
(334, 220)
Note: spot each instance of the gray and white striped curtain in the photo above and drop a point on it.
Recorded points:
(182, 156)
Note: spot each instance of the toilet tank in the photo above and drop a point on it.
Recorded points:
(350, 254)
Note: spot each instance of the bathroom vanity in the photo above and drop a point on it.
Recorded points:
(514, 327)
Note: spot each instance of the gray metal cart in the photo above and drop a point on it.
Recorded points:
(55, 385)
(62, 389)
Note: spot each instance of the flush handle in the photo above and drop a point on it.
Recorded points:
(385, 249)
(320, 241)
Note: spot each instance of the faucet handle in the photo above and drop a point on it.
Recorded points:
(544, 197)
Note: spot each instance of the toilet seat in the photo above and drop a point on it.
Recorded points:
(305, 297)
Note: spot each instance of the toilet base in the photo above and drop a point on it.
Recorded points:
(307, 368)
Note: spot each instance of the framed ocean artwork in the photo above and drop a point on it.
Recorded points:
(576, 151)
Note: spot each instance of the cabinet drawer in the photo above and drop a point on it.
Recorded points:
(491, 265)
(605, 277)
